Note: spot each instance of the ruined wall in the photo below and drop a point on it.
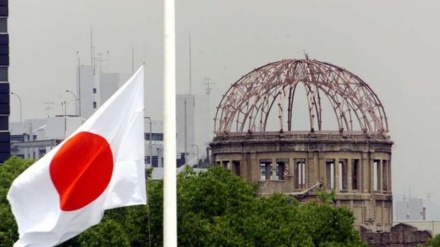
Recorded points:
(400, 235)
(356, 166)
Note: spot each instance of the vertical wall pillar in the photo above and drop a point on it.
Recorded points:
(371, 174)
(322, 168)
(365, 167)
(337, 175)
(313, 169)
(385, 175)
(349, 174)
(380, 176)
(274, 169)
(254, 166)
(390, 184)
(292, 171)
(244, 166)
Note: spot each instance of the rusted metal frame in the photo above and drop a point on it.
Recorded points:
(223, 120)
(268, 112)
(369, 112)
(230, 112)
(267, 92)
(291, 83)
(239, 108)
(220, 110)
(311, 104)
(342, 110)
(354, 97)
(340, 73)
(311, 97)
(245, 101)
(319, 110)
(257, 113)
(330, 96)
(334, 84)
(368, 105)
(335, 100)
(290, 107)
(258, 78)
(376, 120)
(248, 115)
(342, 100)
(281, 96)
(318, 107)
(381, 121)
(228, 106)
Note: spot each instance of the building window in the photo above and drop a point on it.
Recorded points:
(3, 25)
(4, 122)
(3, 73)
(94, 90)
(94, 104)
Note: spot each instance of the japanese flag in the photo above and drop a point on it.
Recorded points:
(100, 166)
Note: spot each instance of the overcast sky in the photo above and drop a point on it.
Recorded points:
(392, 45)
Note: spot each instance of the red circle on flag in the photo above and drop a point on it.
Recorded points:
(81, 170)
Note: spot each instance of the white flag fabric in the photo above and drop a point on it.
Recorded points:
(100, 166)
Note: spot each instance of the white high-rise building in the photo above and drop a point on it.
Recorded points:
(86, 91)
(96, 87)
(194, 126)
(185, 122)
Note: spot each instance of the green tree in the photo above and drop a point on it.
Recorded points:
(215, 208)
(8, 172)
(434, 242)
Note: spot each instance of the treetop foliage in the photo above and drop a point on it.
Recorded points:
(215, 208)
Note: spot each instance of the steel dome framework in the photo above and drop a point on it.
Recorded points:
(247, 104)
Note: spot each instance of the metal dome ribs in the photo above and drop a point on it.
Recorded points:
(247, 104)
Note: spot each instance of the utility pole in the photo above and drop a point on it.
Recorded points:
(186, 130)
(48, 106)
(151, 146)
(21, 110)
(79, 84)
(208, 85)
(190, 67)
(208, 89)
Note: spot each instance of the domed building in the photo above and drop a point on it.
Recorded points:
(298, 124)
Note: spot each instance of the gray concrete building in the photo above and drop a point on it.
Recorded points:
(344, 146)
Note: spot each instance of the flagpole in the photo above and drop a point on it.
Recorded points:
(170, 196)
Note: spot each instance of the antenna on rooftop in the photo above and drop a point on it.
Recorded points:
(100, 60)
(48, 106)
(92, 51)
(208, 85)
(190, 68)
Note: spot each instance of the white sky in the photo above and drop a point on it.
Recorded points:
(392, 45)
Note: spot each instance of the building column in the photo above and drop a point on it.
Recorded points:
(349, 175)
(273, 169)
(313, 169)
(292, 172)
(371, 174)
(322, 168)
(365, 167)
(380, 177)
(336, 167)
(254, 167)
